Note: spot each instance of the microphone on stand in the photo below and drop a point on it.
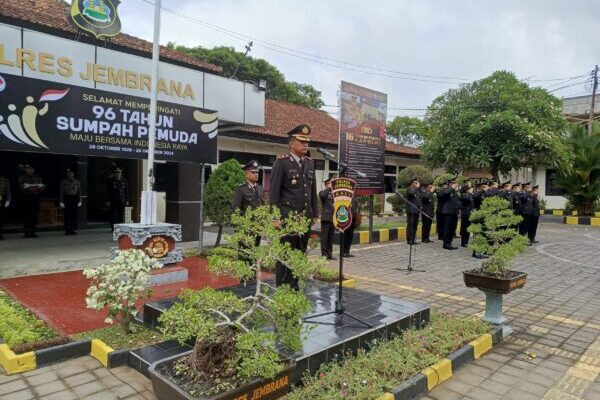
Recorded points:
(332, 157)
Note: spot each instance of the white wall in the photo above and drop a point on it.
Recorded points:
(551, 201)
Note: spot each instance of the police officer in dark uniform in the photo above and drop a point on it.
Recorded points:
(505, 192)
(466, 207)
(118, 198)
(535, 215)
(327, 228)
(294, 188)
(449, 211)
(515, 198)
(479, 195)
(70, 201)
(249, 194)
(427, 208)
(493, 189)
(31, 186)
(5, 198)
(526, 204)
(439, 220)
(412, 211)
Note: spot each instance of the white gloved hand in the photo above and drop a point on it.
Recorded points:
(62, 205)
(79, 204)
(7, 204)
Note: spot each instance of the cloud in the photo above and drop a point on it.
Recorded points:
(465, 38)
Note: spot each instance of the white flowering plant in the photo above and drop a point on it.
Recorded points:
(120, 285)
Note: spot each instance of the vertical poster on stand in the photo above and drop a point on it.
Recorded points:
(363, 115)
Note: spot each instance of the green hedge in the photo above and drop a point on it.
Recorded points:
(19, 326)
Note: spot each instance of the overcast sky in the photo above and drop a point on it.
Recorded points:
(460, 39)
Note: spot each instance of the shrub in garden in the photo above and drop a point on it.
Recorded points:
(494, 230)
(120, 284)
(18, 326)
(235, 337)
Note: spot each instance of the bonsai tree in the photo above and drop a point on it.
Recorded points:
(219, 192)
(120, 285)
(235, 337)
(494, 232)
(580, 177)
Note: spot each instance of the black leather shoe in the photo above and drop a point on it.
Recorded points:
(426, 241)
(450, 247)
(347, 255)
(480, 256)
(463, 245)
(332, 258)
(535, 241)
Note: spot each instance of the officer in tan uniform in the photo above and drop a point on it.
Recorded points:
(294, 188)
(4, 200)
(70, 201)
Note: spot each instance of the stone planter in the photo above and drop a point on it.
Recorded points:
(267, 389)
(494, 288)
(515, 280)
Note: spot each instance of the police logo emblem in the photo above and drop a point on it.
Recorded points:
(98, 17)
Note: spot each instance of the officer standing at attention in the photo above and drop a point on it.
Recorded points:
(427, 208)
(117, 198)
(535, 215)
(327, 228)
(412, 211)
(249, 194)
(5, 198)
(493, 189)
(466, 207)
(439, 220)
(294, 188)
(526, 204)
(515, 199)
(31, 187)
(506, 193)
(70, 200)
(449, 211)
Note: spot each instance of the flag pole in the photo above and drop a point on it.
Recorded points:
(148, 211)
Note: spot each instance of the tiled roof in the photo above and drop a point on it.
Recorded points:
(281, 117)
(53, 14)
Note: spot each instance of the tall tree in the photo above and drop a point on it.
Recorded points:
(498, 123)
(255, 69)
(407, 131)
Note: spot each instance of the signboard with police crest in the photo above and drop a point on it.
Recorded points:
(98, 17)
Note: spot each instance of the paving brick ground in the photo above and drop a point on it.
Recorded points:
(554, 352)
(82, 378)
(556, 319)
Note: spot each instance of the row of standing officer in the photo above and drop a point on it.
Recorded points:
(31, 187)
(452, 203)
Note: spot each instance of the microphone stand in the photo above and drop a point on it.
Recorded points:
(340, 309)
(409, 267)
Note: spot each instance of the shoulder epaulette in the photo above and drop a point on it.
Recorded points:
(242, 184)
(283, 156)
(308, 158)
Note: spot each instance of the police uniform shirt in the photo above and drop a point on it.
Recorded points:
(4, 191)
(326, 196)
(118, 191)
(69, 187)
(30, 184)
(247, 195)
(293, 185)
(412, 195)
(448, 201)
(427, 202)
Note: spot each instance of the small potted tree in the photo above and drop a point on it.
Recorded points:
(237, 340)
(494, 233)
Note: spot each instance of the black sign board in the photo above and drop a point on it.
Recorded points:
(50, 117)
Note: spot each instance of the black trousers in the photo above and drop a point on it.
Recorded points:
(449, 223)
(532, 227)
(348, 236)
(439, 221)
(70, 213)
(454, 226)
(425, 228)
(412, 222)
(464, 224)
(117, 214)
(31, 210)
(327, 231)
(524, 225)
(284, 275)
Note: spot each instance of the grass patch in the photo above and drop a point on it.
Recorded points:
(389, 363)
(117, 339)
(382, 225)
(18, 326)
(327, 274)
